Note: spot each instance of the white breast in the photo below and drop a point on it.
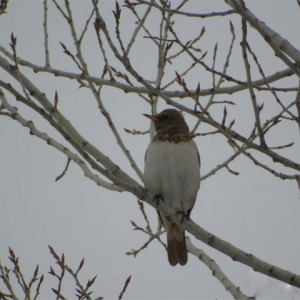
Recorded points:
(173, 171)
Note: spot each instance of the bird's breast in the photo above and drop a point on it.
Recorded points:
(173, 170)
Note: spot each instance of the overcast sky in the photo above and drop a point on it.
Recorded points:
(254, 211)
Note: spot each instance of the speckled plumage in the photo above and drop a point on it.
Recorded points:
(172, 170)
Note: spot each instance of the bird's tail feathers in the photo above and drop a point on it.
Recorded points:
(177, 252)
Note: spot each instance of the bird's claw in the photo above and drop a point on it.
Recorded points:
(157, 198)
(183, 214)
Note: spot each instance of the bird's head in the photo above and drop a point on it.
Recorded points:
(169, 118)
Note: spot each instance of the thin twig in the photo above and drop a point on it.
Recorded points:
(187, 14)
(86, 27)
(250, 87)
(46, 36)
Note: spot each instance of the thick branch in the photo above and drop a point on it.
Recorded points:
(275, 40)
(213, 241)
(217, 272)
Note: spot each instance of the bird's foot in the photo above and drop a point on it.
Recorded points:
(157, 198)
(184, 216)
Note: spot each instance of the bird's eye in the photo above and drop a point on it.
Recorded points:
(165, 117)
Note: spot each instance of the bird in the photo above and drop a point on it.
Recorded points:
(172, 173)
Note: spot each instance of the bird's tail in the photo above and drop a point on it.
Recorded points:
(177, 252)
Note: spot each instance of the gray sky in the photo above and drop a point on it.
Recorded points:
(254, 211)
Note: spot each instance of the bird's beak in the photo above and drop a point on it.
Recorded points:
(153, 118)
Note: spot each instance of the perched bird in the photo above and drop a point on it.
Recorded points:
(172, 172)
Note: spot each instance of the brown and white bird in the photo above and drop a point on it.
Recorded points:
(172, 172)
